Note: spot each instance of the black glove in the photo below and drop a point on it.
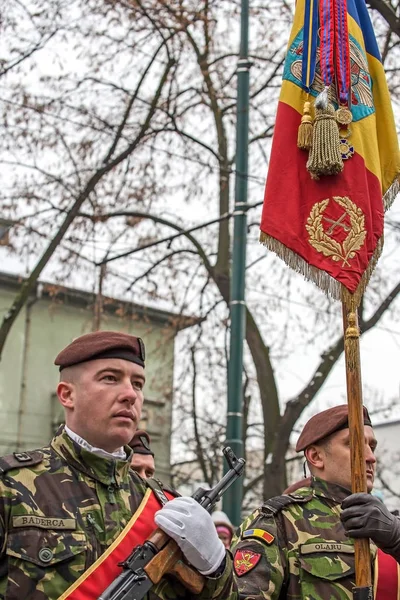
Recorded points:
(365, 516)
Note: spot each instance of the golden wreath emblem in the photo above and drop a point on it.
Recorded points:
(327, 245)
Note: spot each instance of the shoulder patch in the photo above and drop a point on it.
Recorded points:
(244, 561)
(18, 460)
(275, 505)
(259, 534)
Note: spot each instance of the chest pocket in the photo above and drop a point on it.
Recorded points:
(55, 558)
(324, 562)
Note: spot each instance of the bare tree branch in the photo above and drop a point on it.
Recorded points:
(386, 10)
(30, 282)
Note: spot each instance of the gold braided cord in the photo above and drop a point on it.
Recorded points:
(305, 131)
(325, 157)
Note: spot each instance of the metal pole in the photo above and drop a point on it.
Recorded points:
(232, 500)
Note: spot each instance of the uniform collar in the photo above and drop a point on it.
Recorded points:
(109, 471)
(119, 454)
(332, 491)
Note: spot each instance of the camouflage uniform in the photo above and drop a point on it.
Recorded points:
(60, 511)
(305, 553)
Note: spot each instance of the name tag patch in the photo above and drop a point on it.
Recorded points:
(326, 547)
(43, 522)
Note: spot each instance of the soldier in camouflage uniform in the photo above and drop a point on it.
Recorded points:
(62, 506)
(295, 546)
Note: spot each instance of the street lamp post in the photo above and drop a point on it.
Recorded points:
(232, 499)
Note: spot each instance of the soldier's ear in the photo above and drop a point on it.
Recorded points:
(65, 393)
(315, 457)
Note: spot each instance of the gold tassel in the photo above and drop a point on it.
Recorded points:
(304, 134)
(325, 157)
(351, 342)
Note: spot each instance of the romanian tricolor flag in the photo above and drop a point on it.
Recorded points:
(328, 186)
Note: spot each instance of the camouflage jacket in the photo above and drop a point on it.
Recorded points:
(78, 503)
(294, 547)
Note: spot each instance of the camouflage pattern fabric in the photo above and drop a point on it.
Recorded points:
(305, 553)
(60, 511)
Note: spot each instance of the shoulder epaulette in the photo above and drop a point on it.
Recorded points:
(275, 505)
(167, 488)
(159, 488)
(17, 460)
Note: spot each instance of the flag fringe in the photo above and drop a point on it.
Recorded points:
(352, 301)
(294, 261)
(391, 193)
(325, 282)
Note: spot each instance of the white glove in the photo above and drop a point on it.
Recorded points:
(191, 526)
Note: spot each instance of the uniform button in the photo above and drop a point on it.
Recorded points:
(45, 555)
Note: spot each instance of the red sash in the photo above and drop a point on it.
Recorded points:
(386, 577)
(100, 574)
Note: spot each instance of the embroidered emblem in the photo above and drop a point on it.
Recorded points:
(343, 115)
(361, 100)
(144, 441)
(265, 536)
(330, 241)
(245, 561)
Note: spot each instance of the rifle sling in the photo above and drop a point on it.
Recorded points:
(156, 486)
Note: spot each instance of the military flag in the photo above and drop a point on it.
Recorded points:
(335, 163)
(334, 170)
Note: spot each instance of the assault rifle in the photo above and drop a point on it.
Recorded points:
(160, 554)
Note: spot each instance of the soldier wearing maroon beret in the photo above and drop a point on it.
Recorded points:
(296, 545)
(143, 458)
(74, 504)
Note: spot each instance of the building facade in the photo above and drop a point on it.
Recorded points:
(388, 462)
(51, 319)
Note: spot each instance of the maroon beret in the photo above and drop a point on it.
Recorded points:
(325, 423)
(140, 443)
(102, 344)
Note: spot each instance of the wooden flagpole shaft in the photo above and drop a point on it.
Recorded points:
(363, 588)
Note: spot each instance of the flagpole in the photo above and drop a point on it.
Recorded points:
(363, 589)
(321, 130)
(232, 499)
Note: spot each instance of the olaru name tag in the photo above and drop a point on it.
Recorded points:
(245, 561)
